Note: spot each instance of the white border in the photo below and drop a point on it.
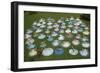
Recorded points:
(22, 64)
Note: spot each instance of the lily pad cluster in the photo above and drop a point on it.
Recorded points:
(53, 36)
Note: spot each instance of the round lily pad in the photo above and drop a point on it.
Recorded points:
(85, 44)
(73, 51)
(31, 46)
(84, 52)
(66, 44)
(47, 51)
(59, 51)
(55, 43)
(75, 42)
(33, 52)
